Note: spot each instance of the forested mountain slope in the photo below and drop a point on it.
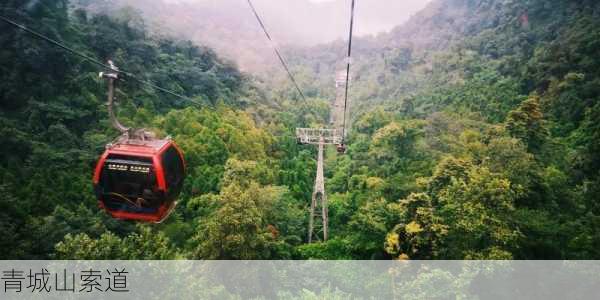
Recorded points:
(474, 135)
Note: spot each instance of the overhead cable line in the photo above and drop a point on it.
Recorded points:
(348, 69)
(95, 61)
(285, 66)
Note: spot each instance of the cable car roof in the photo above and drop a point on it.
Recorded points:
(142, 147)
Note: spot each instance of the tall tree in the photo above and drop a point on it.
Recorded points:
(527, 124)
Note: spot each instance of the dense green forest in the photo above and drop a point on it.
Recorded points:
(474, 135)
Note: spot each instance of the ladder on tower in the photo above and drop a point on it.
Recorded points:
(318, 204)
(337, 109)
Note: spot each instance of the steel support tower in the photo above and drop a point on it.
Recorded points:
(318, 205)
(318, 222)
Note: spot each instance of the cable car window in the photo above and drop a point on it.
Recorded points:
(129, 182)
(174, 169)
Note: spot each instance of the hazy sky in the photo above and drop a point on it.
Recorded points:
(372, 16)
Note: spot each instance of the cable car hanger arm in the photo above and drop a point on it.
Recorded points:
(111, 77)
(127, 132)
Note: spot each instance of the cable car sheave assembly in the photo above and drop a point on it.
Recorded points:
(138, 177)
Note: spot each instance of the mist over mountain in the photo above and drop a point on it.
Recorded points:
(231, 29)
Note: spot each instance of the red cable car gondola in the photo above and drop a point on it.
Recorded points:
(138, 177)
(139, 181)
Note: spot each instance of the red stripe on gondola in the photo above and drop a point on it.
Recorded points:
(99, 166)
(181, 156)
(160, 173)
